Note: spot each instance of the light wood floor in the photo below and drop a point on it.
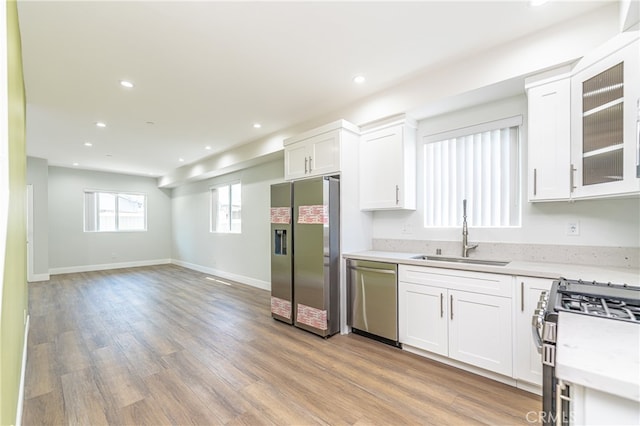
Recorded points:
(164, 345)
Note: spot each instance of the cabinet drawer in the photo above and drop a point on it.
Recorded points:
(476, 282)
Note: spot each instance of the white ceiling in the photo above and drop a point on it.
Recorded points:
(204, 72)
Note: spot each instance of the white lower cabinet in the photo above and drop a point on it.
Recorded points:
(590, 406)
(423, 317)
(480, 331)
(528, 363)
(439, 314)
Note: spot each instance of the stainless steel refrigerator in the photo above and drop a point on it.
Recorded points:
(305, 254)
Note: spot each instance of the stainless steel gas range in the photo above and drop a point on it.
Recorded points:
(618, 302)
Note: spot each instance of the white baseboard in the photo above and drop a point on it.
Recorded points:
(106, 266)
(39, 277)
(264, 285)
(529, 387)
(23, 373)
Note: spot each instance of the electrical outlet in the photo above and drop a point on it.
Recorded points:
(406, 228)
(573, 228)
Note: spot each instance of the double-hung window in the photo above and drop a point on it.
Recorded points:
(480, 164)
(226, 208)
(114, 211)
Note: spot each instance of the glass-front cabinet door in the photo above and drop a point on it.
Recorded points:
(602, 127)
(605, 147)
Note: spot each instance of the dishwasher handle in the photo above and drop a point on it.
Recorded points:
(366, 269)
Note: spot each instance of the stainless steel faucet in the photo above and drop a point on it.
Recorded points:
(465, 232)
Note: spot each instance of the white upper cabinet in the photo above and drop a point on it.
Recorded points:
(605, 94)
(296, 161)
(316, 152)
(549, 97)
(584, 126)
(388, 164)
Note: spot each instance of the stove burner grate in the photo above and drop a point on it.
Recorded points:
(600, 306)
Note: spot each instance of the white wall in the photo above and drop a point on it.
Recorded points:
(71, 249)
(38, 175)
(243, 257)
(609, 223)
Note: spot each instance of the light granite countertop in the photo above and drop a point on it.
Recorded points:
(549, 270)
(599, 353)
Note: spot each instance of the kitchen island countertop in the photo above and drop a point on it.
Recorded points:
(599, 353)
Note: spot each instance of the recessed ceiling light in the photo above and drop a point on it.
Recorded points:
(127, 84)
(76, 164)
(100, 124)
(358, 79)
(88, 144)
(181, 160)
(207, 147)
(257, 125)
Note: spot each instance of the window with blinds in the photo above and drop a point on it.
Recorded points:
(480, 164)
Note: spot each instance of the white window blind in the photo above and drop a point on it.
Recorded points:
(479, 164)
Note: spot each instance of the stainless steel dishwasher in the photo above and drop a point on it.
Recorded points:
(373, 299)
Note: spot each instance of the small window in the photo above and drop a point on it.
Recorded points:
(479, 164)
(226, 208)
(114, 211)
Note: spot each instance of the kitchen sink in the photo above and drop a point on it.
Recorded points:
(470, 260)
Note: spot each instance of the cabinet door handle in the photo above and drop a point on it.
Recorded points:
(451, 306)
(310, 159)
(397, 195)
(535, 181)
(521, 296)
(441, 305)
(305, 166)
(572, 171)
